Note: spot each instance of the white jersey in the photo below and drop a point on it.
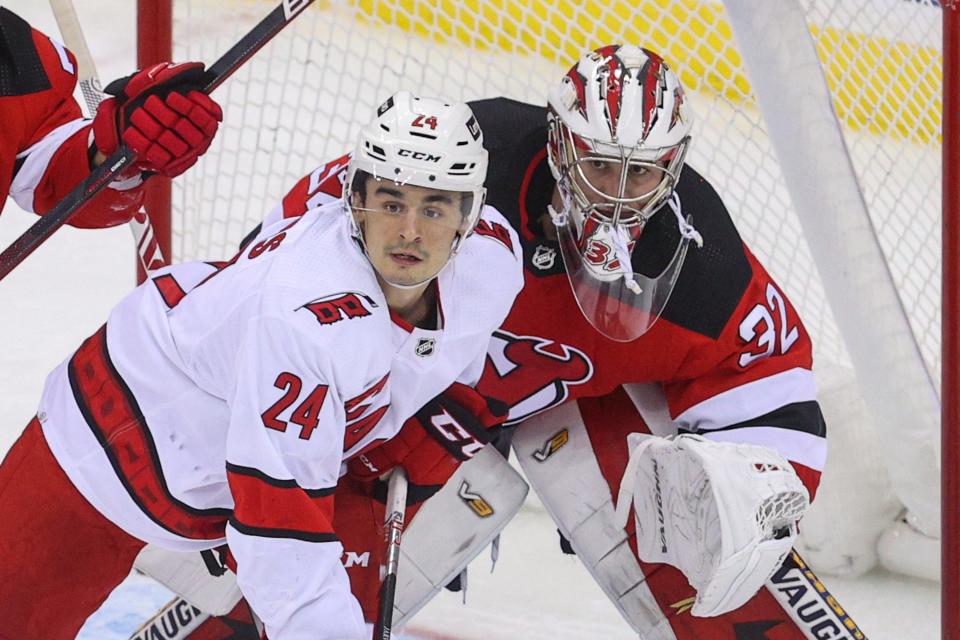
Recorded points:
(220, 401)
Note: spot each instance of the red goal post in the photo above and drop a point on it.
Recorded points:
(874, 307)
(950, 391)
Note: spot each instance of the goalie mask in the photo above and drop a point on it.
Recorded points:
(618, 131)
(421, 160)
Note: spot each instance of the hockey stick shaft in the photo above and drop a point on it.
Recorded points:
(144, 238)
(218, 72)
(393, 523)
(72, 34)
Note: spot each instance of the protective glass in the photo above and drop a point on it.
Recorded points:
(619, 303)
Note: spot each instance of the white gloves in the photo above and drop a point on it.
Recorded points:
(724, 514)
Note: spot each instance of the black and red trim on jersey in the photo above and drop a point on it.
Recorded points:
(269, 507)
(803, 416)
(115, 418)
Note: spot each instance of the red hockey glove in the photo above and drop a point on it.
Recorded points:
(431, 445)
(160, 114)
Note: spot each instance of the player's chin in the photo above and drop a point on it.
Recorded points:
(405, 275)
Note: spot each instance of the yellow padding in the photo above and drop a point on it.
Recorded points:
(889, 88)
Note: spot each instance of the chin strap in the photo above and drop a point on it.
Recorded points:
(687, 230)
(619, 239)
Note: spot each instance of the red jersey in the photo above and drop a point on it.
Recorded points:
(729, 356)
(45, 143)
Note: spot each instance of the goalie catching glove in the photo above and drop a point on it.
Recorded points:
(448, 430)
(724, 514)
(161, 114)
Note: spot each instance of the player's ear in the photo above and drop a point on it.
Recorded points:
(357, 206)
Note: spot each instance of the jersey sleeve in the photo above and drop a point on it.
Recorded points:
(283, 457)
(754, 383)
(48, 136)
(321, 186)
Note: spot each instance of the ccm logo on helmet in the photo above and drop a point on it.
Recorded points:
(418, 155)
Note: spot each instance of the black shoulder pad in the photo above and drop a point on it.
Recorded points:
(515, 136)
(21, 70)
(506, 122)
(715, 276)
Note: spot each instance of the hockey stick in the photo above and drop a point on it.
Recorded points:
(144, 238)
(218, 72)
(393, 522)
(178, 619)
(175, 621)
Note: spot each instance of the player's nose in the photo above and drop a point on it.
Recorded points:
(410, 226)
(608, 184)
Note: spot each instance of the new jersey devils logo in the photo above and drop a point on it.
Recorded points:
(531, 374)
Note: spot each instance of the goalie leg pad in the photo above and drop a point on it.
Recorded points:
(444, 534)
(558, 459)
(186, 574)
(454, 526)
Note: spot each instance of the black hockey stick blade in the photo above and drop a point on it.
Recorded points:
(100, 177)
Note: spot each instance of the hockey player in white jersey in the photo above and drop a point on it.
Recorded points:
(221, 401)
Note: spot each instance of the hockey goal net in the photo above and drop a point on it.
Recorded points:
(848, 259)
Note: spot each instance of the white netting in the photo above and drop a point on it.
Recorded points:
(302, 100)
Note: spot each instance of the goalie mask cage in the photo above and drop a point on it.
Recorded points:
(819, 122)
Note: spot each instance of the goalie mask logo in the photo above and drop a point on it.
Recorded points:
(531, 374)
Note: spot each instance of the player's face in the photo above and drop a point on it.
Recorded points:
(600, 180)
(409, 230)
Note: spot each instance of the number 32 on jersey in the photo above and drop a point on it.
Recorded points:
(767, 328)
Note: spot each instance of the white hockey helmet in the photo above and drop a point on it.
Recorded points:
(622, 109)
(426, 142)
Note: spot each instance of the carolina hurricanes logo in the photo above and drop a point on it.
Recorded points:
(336, 307)
(531, 374)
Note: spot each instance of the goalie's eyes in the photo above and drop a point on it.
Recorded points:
(601, 167)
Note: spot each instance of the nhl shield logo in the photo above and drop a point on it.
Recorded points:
(544, 257)
(425, 347)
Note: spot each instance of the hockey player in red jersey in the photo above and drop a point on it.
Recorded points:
(221, 401)
(643, 312)
(47, 147)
